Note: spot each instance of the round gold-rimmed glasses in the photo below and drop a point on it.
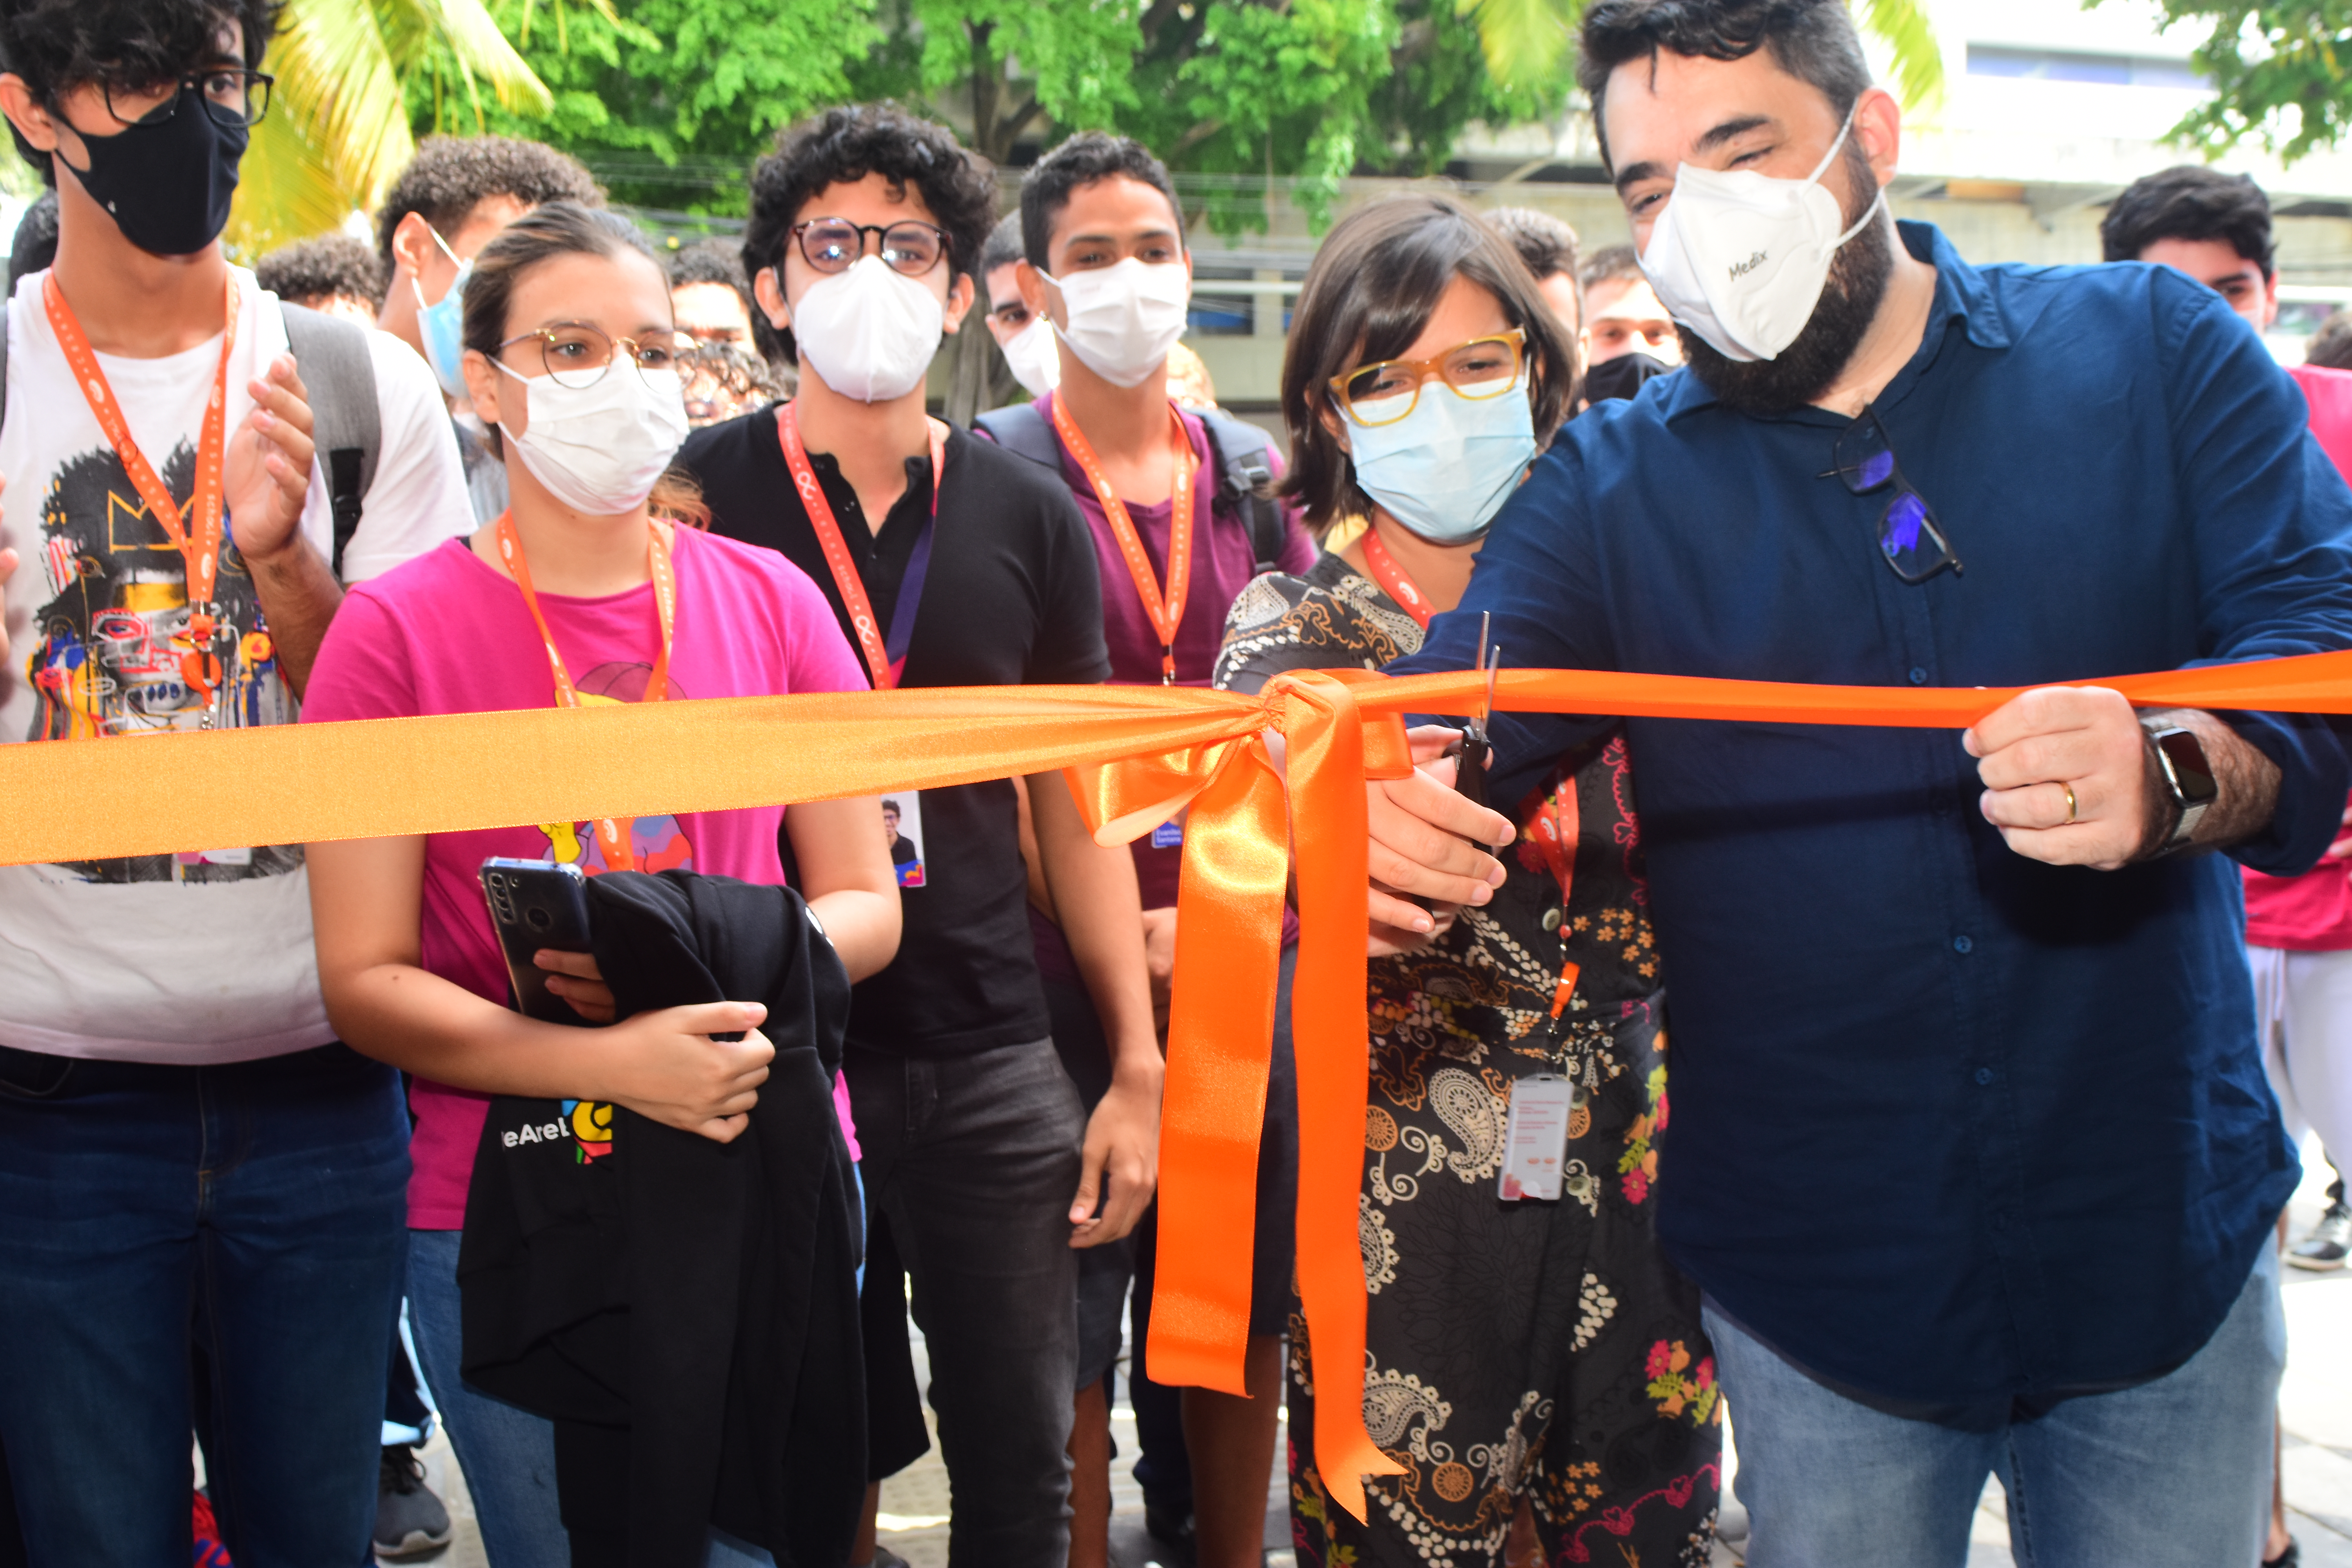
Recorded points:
(576, 354)
(1384, 393)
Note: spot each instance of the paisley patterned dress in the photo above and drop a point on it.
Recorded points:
(1540, 1349)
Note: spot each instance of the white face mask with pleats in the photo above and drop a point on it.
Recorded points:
(600, 448)
(1740, 257)
(1123, 318)
(1036, 363)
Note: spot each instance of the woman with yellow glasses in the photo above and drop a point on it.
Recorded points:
(1534, 1365)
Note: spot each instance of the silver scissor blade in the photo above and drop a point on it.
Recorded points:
(1487, 706)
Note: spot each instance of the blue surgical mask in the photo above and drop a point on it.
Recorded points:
(442, 327)
(1445, 470)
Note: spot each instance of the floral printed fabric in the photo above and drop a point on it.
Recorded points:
(1544, 1351)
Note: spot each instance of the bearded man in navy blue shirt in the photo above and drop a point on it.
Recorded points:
(1972, 1153)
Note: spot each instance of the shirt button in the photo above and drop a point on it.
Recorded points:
(1962, 944)
(1551, 920)
(1919, 676)
(1984, 1074)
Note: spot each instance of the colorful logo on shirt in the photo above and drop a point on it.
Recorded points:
(591, 1122)
(655, 843)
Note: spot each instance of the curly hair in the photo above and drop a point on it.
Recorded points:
(1546, 243)
(59, 44)
(2331, 346)
(840, 147)
(2190, 201)
(1083, 159)
(327, 267)
(1812, 40)
(452, 175)
(1369, 293)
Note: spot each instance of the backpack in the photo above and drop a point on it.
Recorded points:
(347, 426)
(1244, 477)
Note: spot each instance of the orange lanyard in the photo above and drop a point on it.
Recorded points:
(883, 662)
(612, 833)
(1393, 578)
(1166, 611)
(199, 546)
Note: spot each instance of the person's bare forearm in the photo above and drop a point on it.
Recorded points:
(863, 927)
(1094, 890)
(422, 1024)
(298, 595)
(2247, 779)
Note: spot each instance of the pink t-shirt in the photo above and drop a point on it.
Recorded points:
(447, 633)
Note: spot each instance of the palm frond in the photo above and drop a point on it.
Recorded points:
(1902, 26)
(285, 191)
(1525, 42)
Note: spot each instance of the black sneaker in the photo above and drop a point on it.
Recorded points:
(1171, 1528)
(2329, 1243)
(411, 1525)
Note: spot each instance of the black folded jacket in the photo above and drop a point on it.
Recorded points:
(685, 1311)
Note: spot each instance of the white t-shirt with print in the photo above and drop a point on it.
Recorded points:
(200, 957)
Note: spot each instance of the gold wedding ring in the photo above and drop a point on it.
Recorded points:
(2070, 803)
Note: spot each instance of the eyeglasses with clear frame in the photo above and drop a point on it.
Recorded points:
(836, 244)
(575, 354)
(1383, 393)
(1909, 537)
(232, 97)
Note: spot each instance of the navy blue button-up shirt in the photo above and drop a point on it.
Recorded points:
(1949, 1124)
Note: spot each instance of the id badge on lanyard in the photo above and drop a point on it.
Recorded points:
(1535, 1137)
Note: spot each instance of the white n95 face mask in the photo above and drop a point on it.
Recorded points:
(1036, 363)
(1740, 257)
(1445, 470)
(599, 450)
(870, 332)
(1123, 318)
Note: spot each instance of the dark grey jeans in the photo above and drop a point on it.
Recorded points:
(974, 1160)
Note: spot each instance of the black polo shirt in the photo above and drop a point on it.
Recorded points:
(1013, 597)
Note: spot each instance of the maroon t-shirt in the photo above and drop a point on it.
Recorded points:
(1224, 558)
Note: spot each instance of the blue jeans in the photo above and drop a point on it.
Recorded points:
(2173, 1473)
(257, 1206)
(508, 1454)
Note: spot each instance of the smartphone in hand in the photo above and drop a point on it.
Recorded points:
(536, 904)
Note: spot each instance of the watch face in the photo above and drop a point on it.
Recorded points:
(2192, 775)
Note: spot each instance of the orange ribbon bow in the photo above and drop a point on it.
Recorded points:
(1133, 756)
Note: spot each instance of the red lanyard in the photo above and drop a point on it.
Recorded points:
(1392, 579)
(612, 833)
(1166, 611)
(199, 541)
(883, 662)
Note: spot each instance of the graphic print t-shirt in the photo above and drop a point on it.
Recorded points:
(205, 955)
(449, 634)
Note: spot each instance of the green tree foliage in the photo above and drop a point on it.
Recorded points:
(669, 100)
(2282, 73)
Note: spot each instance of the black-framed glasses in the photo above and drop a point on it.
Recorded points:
(231, 97)
(576, 354)
(1909, 537)
(834, 244)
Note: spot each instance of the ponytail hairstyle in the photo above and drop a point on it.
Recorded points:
(541, 235)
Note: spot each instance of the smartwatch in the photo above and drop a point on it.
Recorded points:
(2188, 781)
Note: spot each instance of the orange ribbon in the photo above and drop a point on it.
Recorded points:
(1133, 756)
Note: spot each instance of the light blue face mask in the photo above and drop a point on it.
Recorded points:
(1445, 470)
(442, 327)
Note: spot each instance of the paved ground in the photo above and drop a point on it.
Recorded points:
(2315, 1406)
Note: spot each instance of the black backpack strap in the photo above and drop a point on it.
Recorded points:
(1245, 474)
(346, 425)
(1024, 432)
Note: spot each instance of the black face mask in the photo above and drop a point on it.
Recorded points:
(166, 184)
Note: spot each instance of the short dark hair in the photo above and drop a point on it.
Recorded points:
(36, 245)
(325, 267)
(1545, 243)
(1004, 247)
(59, 44)
(452, 175)
(548, 231)
(2190, 201)
(711, 261)
(2331, 346)
(1812, 40)
(840, 147)
(1611, 263)
(1083, 159)
(1369, 293)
